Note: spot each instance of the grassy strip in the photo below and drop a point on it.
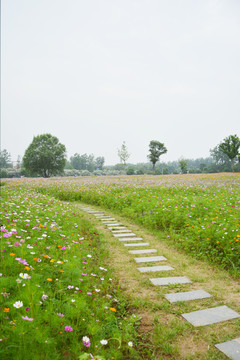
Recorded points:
(200, 217)
(58, 300)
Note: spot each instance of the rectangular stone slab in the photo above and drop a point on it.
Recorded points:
(102, 216)
(124, 235)
(94, 212)
(149, 259)
(145, 251)
(116, 227)
(131, 239)
(107, 220)
(137, 244)
(170, 280)
(155, 268)
(210, 316)
(187, 295)
(120, 231)
(230, 348)
(113, 224)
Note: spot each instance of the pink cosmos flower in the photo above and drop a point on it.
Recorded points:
(60, 315)
(86, 341)
(27, 318)
(68, 328)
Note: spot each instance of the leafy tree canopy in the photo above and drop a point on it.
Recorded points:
(123, 153)
(156, 149)
(87, 162)
(183, 165)
(230, 146)
(5, 159)
(45, 156)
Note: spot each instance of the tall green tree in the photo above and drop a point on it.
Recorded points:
(156, 149)
(183, 163)
(123, 153)
(230, 146)
(100, 162)
(221, 160)
(45, 156)
(5, 159)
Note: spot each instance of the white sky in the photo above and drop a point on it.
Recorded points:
(96, 73)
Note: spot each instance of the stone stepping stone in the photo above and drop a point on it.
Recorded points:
(149, 259)
(124, 235)
(230, 348)
(131, 239)
(113, 224)
(107, 220)
(94, 212)
(210, 316)
(187, 295)
(120, 231)
(145, 251)
(137, 244)
(170, 280)
(155, 268)
(117, 227)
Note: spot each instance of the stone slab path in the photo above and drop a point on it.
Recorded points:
(146, 251)
(230, 348)
(197, 318)
(137, 244)
(131, 239)
(124, 235)
(187, 295)
(149, 259)
(117, 227)
(170, 280)
(155, 268)
(210, 316)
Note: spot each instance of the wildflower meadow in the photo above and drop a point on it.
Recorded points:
(58, 298)
(199, 213)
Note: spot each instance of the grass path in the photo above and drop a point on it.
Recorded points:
(163, 329)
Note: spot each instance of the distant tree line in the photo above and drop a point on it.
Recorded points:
(46, 156)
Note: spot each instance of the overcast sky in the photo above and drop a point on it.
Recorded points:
(96, 73)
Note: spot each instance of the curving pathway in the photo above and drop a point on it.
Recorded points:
(196, 318)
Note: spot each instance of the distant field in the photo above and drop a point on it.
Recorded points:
(200, 213)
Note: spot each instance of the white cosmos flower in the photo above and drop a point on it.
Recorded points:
(104, 342)
(18, 304)
(24, 276)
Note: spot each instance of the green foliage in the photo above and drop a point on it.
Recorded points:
(3, 174)
(230, 147)
(87, 162)
(45, 156)
(100, 162)
(183, 165)
(123, 153)
(5, 159)
(156, 149)
(130, 171)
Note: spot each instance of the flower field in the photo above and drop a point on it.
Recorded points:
(199, 213)
(58, 298)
